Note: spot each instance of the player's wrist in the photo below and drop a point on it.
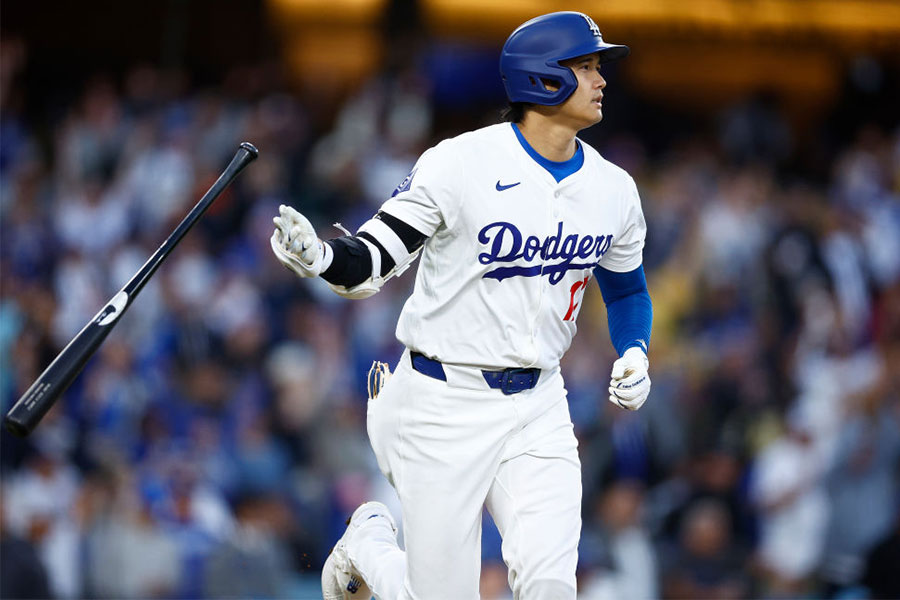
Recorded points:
(636, 354)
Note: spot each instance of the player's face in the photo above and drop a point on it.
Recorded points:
(584, 106)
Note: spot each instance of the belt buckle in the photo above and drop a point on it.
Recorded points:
(507, 383)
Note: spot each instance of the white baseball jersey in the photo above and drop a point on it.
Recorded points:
(510, 251)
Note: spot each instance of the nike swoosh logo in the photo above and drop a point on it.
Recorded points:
(500, 187)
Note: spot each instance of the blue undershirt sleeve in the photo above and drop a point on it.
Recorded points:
(629, 311)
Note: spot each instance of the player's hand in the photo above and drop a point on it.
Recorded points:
(630, 382)
(296, 244)
(378, 376)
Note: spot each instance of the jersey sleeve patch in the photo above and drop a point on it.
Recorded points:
(405, 184)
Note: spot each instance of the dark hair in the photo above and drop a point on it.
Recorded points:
(514, 113)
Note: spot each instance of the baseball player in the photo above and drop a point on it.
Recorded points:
(512, 221)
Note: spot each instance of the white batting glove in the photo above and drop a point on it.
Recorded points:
(296, 244)
(378, 376)
(630, 382)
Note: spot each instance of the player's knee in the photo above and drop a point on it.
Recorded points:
(547, 589)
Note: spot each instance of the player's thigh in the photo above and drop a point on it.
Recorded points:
(535, 501)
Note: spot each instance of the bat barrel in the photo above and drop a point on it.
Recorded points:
(15, 427)
(40, 397)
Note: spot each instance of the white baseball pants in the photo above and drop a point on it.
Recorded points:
(450, 448)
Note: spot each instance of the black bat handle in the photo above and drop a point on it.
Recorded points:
(246, 154)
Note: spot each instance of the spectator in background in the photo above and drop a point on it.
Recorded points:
(22, 574)
(713, 475)
(252, 562)
(705, 564)
(93, 217)
(793, 508)
(629, 568)
(128, 554)
(863, 490)
(754, 130)
(41, 504)
(862, 481)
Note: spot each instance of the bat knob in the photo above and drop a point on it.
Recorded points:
(250, 148)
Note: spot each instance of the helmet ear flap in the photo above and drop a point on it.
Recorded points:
(547, 83)
(531, 84)
(550, 84)
(563, 80)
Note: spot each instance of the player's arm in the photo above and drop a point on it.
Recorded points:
(355, 266)
(630, 316)
(620, 275)
(382, 248)
(629, 309)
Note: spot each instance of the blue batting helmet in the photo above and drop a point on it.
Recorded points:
(535, 49)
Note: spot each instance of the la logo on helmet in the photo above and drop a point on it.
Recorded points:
(594, 29)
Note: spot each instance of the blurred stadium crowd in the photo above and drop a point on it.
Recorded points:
(217, 442)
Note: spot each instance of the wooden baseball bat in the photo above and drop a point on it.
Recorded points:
(24, 416)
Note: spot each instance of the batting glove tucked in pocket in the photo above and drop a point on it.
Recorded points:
(378, 376)
(630, 382)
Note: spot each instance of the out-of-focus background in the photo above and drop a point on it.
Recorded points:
(215, 445)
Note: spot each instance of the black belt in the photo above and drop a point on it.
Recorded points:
(508, 381)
